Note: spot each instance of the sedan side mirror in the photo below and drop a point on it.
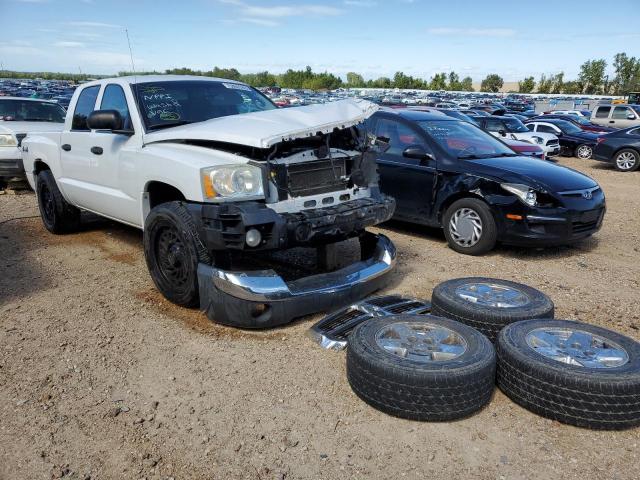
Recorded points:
(107, 120)
(417, 153)
(502, 132)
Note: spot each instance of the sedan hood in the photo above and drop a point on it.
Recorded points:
(30, 127)
(554, 178)
(264, 129)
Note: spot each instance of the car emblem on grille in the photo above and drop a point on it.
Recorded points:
(587, 194)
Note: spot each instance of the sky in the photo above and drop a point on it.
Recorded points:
(372, 37)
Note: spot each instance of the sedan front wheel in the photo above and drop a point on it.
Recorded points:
(469, 227)
(627, 160)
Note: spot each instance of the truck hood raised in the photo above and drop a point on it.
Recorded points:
(264, 129)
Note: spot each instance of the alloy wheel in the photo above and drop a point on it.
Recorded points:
(584, 152)
(626, 160)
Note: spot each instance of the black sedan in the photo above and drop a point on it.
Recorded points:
(622, 148)
(448, 173)
(582, 123)
(573, 140)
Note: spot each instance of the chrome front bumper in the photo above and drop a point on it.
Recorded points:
(262, 299)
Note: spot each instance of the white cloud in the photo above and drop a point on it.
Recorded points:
(260, 21)
(473, 32)
(66, 44)
(94, 25)
(360, 3)
(269, 16)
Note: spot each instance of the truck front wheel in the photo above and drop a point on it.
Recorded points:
(173, 249)
(57, 214)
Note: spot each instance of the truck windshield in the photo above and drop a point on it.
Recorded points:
(31, 111)
(464, 140)
(168, 104)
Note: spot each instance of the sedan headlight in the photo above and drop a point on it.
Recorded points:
(232, 181)
(8, 140)
(525, 193)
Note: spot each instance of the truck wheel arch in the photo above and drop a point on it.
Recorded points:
(156, 193)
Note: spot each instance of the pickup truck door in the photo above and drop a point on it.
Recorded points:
(623, 117)
(95, 162)
(410, 181)
(75, 158)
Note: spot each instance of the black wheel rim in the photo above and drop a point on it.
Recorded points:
(172, 258)
(48, 205)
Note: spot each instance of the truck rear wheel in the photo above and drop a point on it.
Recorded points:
(58, 216)
(173, 249)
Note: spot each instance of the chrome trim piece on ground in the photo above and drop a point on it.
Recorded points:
(333, 330)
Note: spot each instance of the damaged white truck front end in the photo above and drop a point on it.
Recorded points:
(235, 175)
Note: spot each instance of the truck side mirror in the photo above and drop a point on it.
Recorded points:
(631, 116)
(107, 120)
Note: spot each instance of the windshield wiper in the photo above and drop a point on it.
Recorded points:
(169, 125)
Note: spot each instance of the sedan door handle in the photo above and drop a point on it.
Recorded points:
(96, 150)
(66, 147)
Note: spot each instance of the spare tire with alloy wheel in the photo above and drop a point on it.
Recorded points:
(572, 372)
(421, 367)
(173, 249)
(469, 227)
(584, 151)
(627, 160)
(489, 304)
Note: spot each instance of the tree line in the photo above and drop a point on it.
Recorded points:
(592, 79)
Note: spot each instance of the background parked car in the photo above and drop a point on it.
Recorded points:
(503, 127)
(448, 173)
(619, 116)
(584, 123)
(573, 140)
(621, 148)
(20, 116)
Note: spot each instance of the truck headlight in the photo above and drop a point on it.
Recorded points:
(525, 193)
(232, 181)
(8, 140)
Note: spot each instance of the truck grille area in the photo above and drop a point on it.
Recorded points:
(332, 331)
(311, 178)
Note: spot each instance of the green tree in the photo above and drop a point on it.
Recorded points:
(545, 84)
(592, 76)
(527, 85)
(355, 80)
(438, 82)
(572, 88)
(454, 82)
(627, 74)
(467, 84)
(557, 81)
(492, 83)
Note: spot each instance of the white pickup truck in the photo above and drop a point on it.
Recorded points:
(211, 169)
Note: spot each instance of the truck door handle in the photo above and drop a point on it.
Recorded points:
(96, 150)
(66, 147)
(612, 121)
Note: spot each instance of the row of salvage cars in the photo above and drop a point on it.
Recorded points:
(216, 176)
(441, 360)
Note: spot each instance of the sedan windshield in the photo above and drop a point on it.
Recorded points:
(515, 125)
(567, 127)
(168, 104)
(464, 140)
(31, 111)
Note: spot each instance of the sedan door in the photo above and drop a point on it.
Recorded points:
(405, 176)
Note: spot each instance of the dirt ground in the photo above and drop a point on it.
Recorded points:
(101, 378)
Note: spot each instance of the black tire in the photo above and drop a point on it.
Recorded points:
(173, 249)
(58, 216)
(489, 231)
(451, 299)
(598, 398)
(623, 167)
(435, 391)
(583, 151)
